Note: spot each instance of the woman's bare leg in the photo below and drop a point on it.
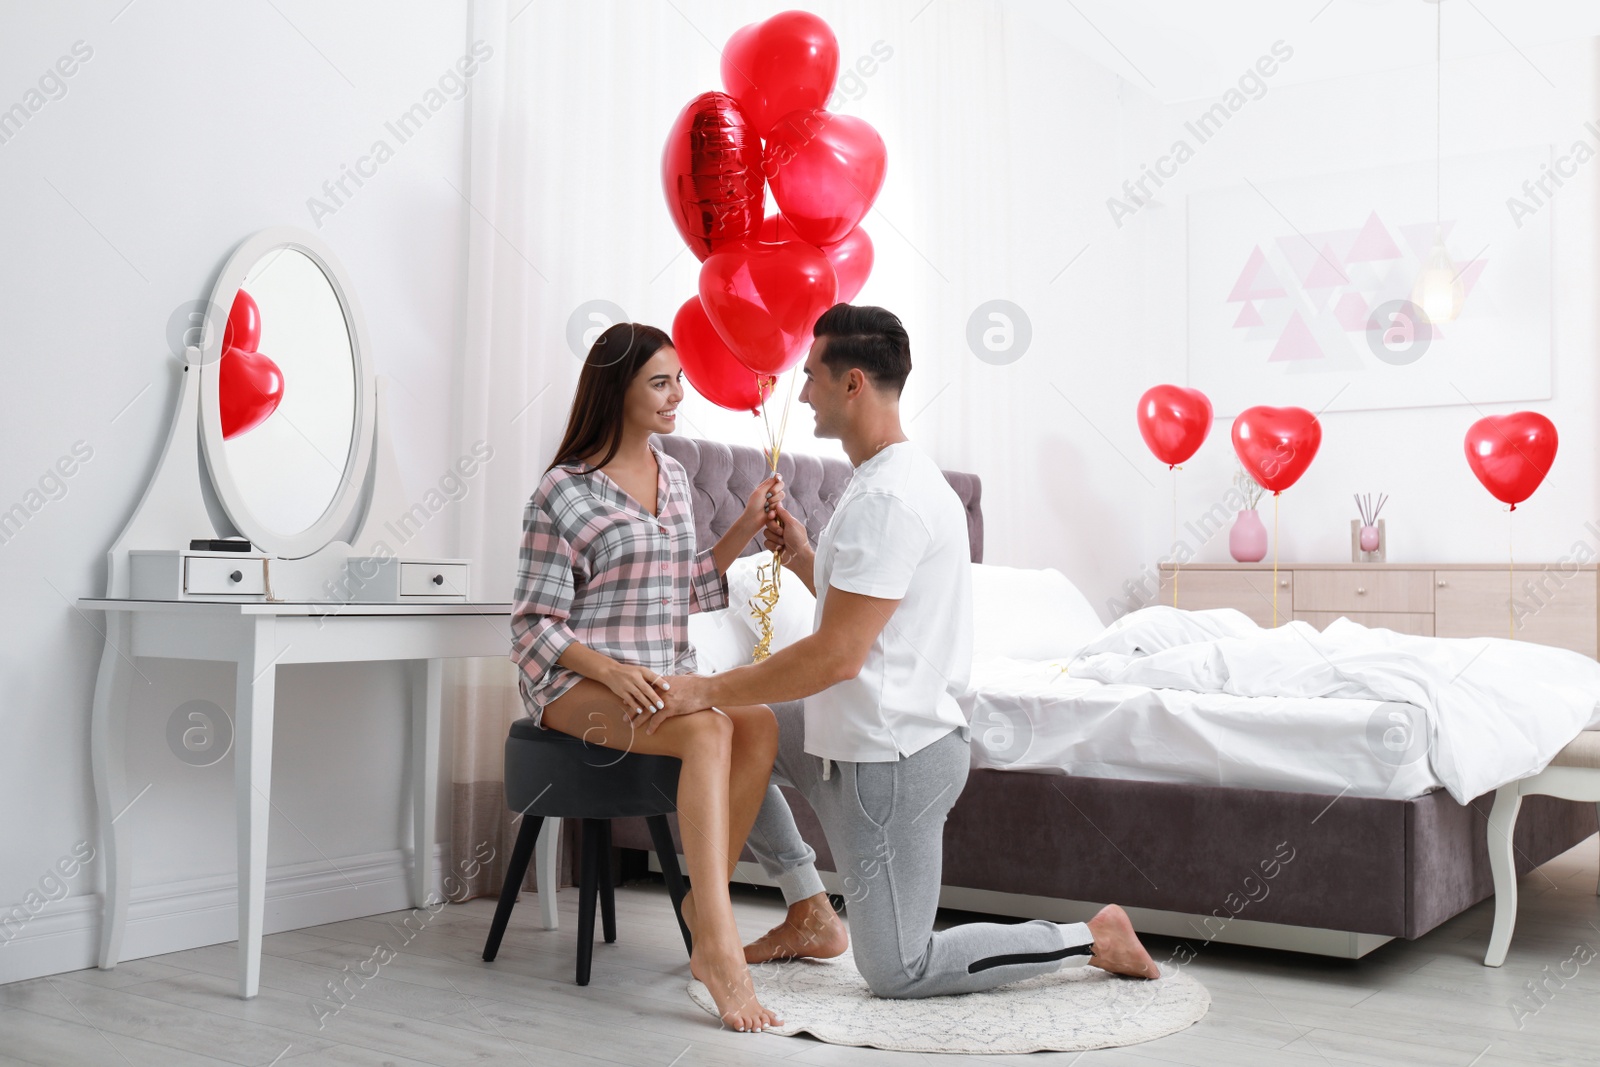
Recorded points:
(704, 742)
(755, 743)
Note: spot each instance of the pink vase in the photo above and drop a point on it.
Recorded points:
(1247, 541)
(1369, 539)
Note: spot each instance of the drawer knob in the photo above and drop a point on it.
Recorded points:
(1361, 590)
(1283, 583)
(236, 576)
(438, 579)
(1441, 583)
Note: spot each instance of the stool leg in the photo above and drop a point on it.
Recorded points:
(588, 880)
(516, 870)
(608, 902)
(667, 853)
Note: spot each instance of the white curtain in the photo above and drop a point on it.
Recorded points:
(565, 208)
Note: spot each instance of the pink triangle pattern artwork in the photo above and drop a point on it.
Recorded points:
(1316, 288)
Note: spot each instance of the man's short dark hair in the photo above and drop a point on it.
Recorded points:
(868, 338)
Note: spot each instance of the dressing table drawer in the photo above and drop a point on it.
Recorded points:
(1362, 590)
(213, 576)
(433, 579)
(391, 580)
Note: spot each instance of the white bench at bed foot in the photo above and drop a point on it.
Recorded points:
(1573, 775)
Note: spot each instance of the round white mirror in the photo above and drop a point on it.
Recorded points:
(286, 403)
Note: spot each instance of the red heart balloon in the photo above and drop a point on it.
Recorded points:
(1174, 421)
(825, 171)
(244, 324)
(711, 174)
(763, 300)
(851, 258)
(1511, 454)
(709, 365)
(249, 388)
(787, 63)
(1276, 445)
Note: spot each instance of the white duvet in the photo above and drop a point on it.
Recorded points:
(1496, 710)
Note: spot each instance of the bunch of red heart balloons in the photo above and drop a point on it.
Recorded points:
(249, 385)
(766, 279)
(1510, 454)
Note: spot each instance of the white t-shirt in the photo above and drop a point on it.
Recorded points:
(898, 533)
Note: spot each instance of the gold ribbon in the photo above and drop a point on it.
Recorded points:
(770, 574)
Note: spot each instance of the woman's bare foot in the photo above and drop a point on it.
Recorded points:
(811, 930)
(727, 978)
(1116, 946)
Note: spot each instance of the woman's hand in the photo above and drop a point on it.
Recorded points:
(764, 499)
(635, 687)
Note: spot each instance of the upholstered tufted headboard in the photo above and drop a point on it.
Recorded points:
(723, 476)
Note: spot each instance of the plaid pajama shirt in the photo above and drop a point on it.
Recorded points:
(597, 568)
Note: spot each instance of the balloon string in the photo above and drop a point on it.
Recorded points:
(1177, 563)
(1275, 560)
(1511, 584)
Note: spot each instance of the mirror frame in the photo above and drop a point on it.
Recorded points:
(347, 496)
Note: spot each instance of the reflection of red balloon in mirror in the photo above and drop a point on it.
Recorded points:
(1511, 454)
(787, 63)
(1276, 445)
(851, 258)
(711, 174)
(763, 300)
(825, 171)
(243, 330)
(249, 388)
(1174, 421)
(710, 367)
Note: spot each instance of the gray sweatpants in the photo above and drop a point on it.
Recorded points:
(885, 825)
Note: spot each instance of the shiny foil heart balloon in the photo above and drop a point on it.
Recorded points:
(851, 258)
(243, 330)
(787, 63)
(1511, 454)
(711, 174)
(763, 300)
(825, 171)
(1276, 445)
(711, 367)
(249, 389)
(1174, 421)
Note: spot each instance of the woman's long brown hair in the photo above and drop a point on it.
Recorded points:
(595, 423)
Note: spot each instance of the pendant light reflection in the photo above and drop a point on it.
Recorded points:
(1438, 290)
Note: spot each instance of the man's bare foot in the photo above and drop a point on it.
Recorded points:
(1116, 946)
(727, 978)
(811, 930)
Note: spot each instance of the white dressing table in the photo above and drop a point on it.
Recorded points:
(310, 486)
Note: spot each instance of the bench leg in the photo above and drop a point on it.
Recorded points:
(667, 853)
(608, 900)
(548, 861)
(588, 882)
(1503, 863)
(516, 871)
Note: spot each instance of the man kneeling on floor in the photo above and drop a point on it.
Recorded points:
(880, 747)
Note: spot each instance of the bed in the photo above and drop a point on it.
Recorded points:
(1256, 848)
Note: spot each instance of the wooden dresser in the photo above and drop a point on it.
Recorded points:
(1555, 604)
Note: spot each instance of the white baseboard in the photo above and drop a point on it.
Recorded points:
(65, 934)
(1342, 944)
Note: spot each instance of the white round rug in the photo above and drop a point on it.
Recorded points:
(1071, 1010)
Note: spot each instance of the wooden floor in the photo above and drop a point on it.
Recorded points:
(436, 1002)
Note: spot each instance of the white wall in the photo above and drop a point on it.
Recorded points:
(190, 126)
(1437, 510)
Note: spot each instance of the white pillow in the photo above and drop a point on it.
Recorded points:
(791, 617)
(720, 641)
(1029, 614)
